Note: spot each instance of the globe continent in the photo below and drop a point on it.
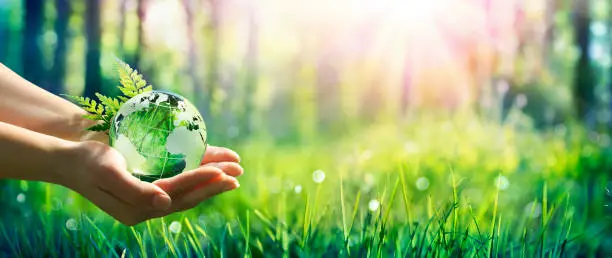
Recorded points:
(160, 134)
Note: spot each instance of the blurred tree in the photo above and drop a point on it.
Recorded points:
(549, 33)
(584, 77)
(4, 34)
(192, 65)
(122, 11)
(327, 92)
(31, 52)
(93, 74)
(251, 77)
(211, 33)
(58, 71)
(137, 55)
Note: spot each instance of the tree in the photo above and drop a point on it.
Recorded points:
(584, 77)
(122, 11)
(93, 74)
(141, 11)
(549, 33)
(251, 73)
(192, 65)
(59, 58)
(4, 35)
(33, 69)
(212, 55)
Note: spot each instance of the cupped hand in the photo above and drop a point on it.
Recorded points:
(98, 172)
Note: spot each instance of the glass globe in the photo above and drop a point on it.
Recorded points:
(160, 134)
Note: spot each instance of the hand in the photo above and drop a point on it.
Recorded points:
(98, 172)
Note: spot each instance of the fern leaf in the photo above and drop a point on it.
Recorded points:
(99, 127)
(111, 105)
(132, 83)
(93, 116)
(145, 89)
(87, 104)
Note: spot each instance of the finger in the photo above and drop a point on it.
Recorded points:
(118, 209)
(229, 168)
(219, 154)
(188, 180)
(132, 190)
(195, 197)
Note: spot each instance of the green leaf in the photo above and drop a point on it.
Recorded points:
(105, 109)
(111, 105)
(93, 116)
(99, 127)
(88, 104)
(132, 83)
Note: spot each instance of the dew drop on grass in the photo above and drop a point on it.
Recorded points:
(318, 176)
(72, 224)
(298, 189)
(175, 227)
(21, 198)
(373, 205)
(422, 183)
(502, 183)
(533, 209)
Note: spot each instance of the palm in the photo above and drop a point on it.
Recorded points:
(106, 182)
(192, 187)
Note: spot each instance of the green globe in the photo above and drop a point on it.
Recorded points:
(160, 134)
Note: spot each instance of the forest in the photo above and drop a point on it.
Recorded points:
(399, 128)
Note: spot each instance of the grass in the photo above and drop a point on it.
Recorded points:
(427, 188)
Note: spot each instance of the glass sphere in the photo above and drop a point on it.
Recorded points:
(160, 134)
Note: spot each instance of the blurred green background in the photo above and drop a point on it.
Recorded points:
(360, 124)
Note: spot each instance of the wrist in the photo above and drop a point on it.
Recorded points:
(80, 124)
(63, 158)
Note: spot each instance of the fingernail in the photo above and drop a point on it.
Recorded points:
(238, 156)
(232, 186)
(161, 202)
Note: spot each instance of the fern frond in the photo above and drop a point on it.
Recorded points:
(111, 105)
(132, 83)
(105, 109)
(99, 127)
(87, 104)
(93, 116)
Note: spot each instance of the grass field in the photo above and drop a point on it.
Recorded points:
(433, 187)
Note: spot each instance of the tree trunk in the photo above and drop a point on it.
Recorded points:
(122, 11)
(141, 17)
(59, 58)
(213, 58)
(549, 34)
(192, 66)
(327, 92)
(93, 75)
(4, 36)
(584, 80)
(33, 69)
(252, 70)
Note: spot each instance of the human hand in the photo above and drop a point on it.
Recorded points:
(98, 172)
